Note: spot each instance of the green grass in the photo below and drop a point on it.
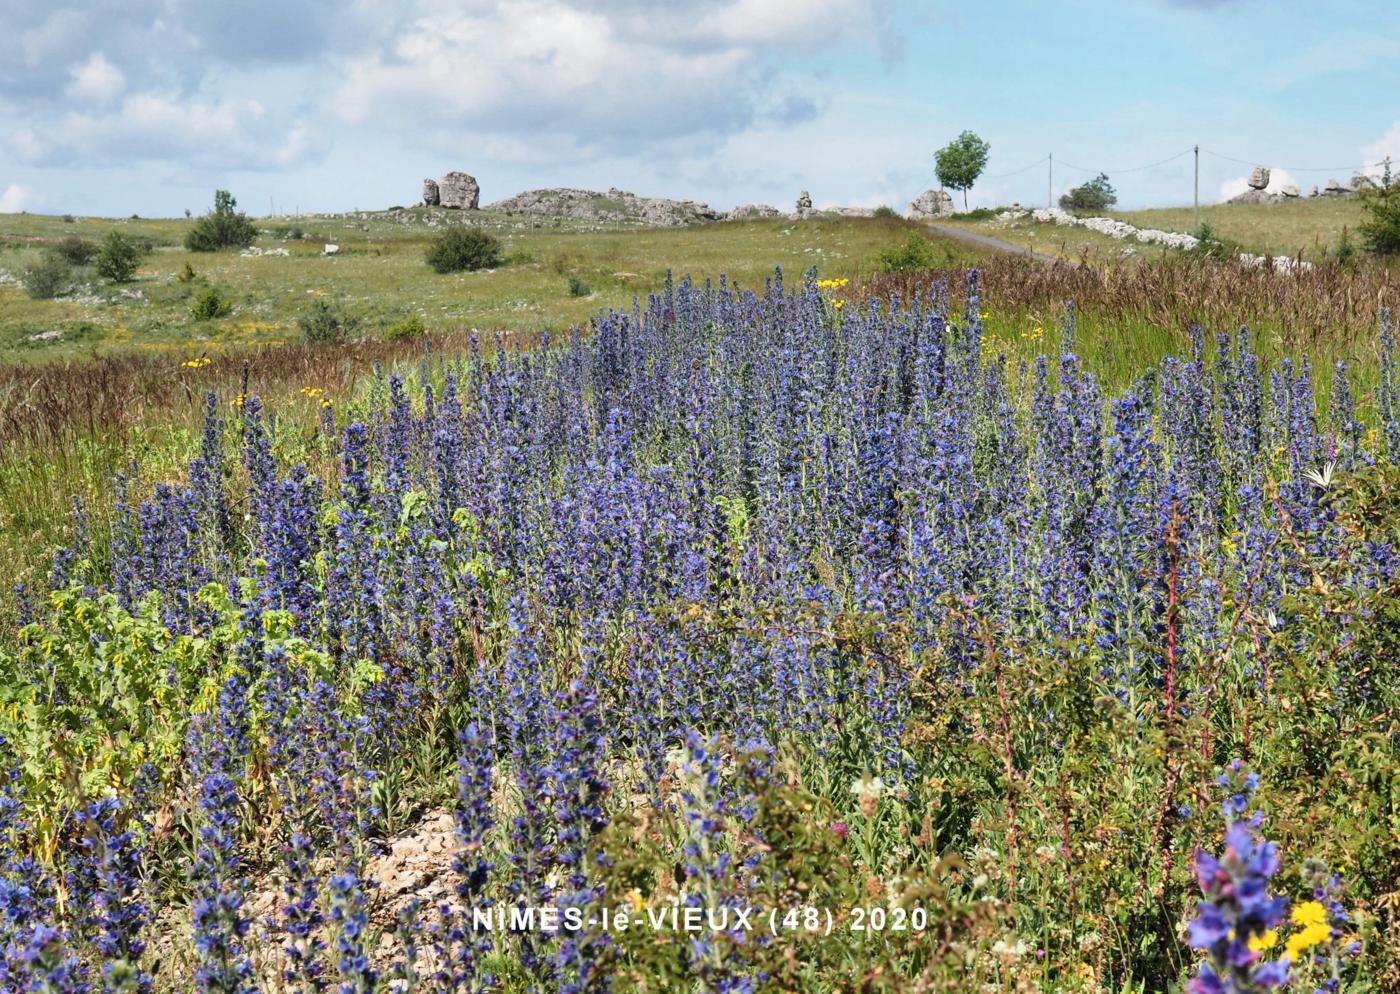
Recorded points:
(380, 275)
(1309, 226)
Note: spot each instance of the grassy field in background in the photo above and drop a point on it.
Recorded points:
(379, 274)
(1310, 226)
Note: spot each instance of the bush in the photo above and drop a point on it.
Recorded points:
(118, 258)
(578, 288)
(885, 211)
(1211, 246)
(915, 254)
(187, 274)
(1380, 232)
(410, 326)
(1345, 253)
(222, 228)
(76, 251)
(977, 214)
(327, 324)
(209, 305)
(462, 249)
(1095, 195)
(48, 277)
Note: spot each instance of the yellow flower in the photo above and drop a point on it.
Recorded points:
(1306, 939)
(1309, 913)
(1266, 941)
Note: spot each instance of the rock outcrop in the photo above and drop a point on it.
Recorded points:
(929, 205)
(749, 212)
(459, 190)
(613, 207)
(431, 198)
(1259, 178)
(1288, 190)
(804, 202)
(1256, 196)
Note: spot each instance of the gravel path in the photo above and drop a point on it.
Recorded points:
(987, 242)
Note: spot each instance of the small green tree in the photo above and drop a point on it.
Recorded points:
(48, 277)
(209, 304)
(223, 227)
(460, 249)
(1380, 231)
(960, 162)
(1096, 195)
(327, 324)
(118, 258)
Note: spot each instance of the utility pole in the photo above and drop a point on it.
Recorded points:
(1196, 198)
(1050, 183)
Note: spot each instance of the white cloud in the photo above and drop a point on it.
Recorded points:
(581, 76)
(219, 134)
(1387, 146)
(96, 80)
(26, 145)
(1278, 179)
(17, 198)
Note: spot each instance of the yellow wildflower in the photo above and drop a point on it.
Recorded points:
(1309, 913)
(1306, 939)
(1268, 940)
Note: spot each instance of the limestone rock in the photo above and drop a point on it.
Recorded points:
(930, 204)
(804, 201)
(431, 197)
(330, 249)
(1259, 179)
(1288, 190)
(613, 207)
(459, 190)
(1337, 189)
(1256, 196)
(748, 212)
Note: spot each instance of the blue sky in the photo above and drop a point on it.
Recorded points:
(146, 106)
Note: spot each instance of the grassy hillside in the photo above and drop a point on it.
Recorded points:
(379, 274)
(1309, 226)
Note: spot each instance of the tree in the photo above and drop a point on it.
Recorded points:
(1095, 195)
(960, 162)
(118, 258)
(224, 227)
(1381, 230)
(461, 249)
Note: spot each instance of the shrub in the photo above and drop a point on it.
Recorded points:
(47, 277)
(977, 214)
(460, 249)
(1095, 195)
(118, 258)
(327, 324)
(886, 211)
(1345, 253)
(76, 251)
(223, 227)
(915, 254)
(187, 273)
(209, 305)
(1380, 232)
(578, 288)
(410, 326)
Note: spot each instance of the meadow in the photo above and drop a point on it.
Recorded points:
(974, 639)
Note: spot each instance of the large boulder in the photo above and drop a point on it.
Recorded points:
(1288, 190)
(1256, 196)
(749, 212)
(1337, 189)
(431, 198)
(459, 190)
(804, 201)
(930, 204)
(1259, 179)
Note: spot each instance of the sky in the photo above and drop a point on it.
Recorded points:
(115, 107)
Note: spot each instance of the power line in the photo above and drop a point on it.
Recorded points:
(1133, 169)
(1297, 169)
(1023, 169)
